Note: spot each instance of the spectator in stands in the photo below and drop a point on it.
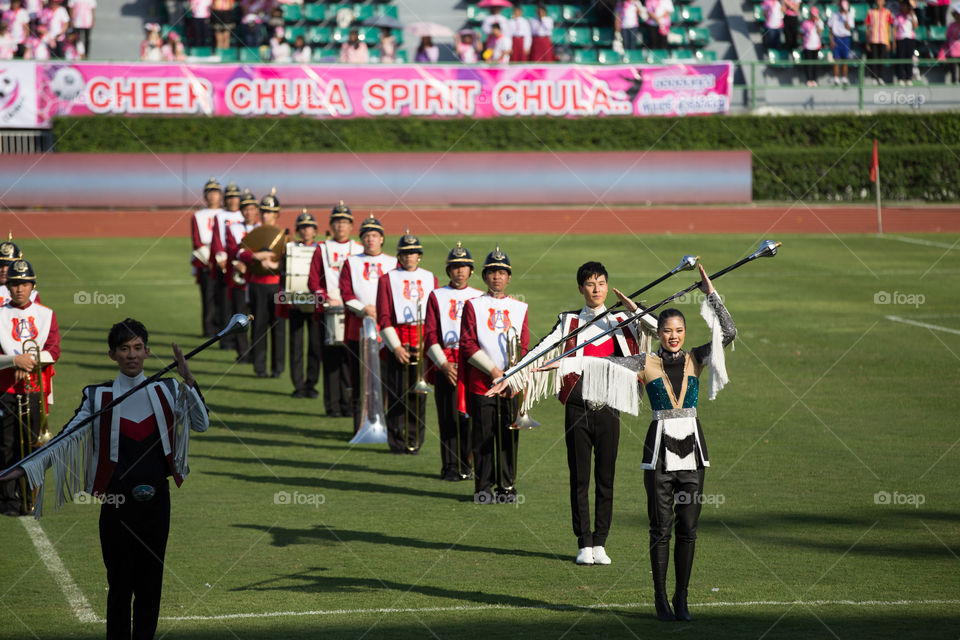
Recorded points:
(772, 22)
(541, 48)
(811, 30)
(388, 46)
(937, 12)
(468, 49)
(626, 22)
(200, 10)
(223, 19)
(301, 51)
(151, 49)
(18, 20)
(255, 13)
(173, 50)
(879, 24)
(427, 51)
(73, 48)
(521, 36)
(279, 47)
(841, 25)
(275, 20)
(34, 7)
(905, 28)
(354, 51)
(498, 47)
(791, 21)
(38, 46)
(82, 12)
(8, 46)
(658, 22)
(495, 17)
(952, 47)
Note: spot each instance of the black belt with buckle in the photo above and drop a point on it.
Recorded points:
(143, 492)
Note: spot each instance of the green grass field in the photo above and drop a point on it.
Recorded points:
(830, 402)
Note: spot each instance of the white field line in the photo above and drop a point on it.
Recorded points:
(506, 607)
(81, 608)
(933, 327)
(926, 243)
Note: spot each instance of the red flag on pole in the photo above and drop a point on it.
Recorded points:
(874, 163)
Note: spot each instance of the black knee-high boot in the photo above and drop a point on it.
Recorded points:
(682, 565)
(659, 559)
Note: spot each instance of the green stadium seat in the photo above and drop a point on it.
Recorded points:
(291, 13)
(859, 11)
(475, 14)
(585, 56)
(323, 54)
(921, 33)
(758, 14)
(167, 28)
(529, 10)
(677, 36)
(249, 55)
(402, 55)
(601, 36)
(560, 35)
(635, 56)
(706, 56)
(200, 52)
(571, 13)
(657, 56)
(363, 12)
(937, 34)
(370, 35)
(292, 33)
(319, 35)
(387, 10)
(860, 34)
(555, 12)
(398, 35)
(579, 36)
(341, 35)
(698, 36)
(691, 15)
(779, 56)
(228, 55)
(333, 8)
(608, 56)
(314, 12)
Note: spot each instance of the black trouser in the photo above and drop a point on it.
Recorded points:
(790, 32)
(810, 70)
(12, 437)
(454, 428)
(265, 320)
(133, 540)
(221, 301)
(208, 311)
(298, 319)
(238, 304)
(672, 497)
(406, 410)
(655, 39)
(337, 385)
(591, 434)
(876, 51)
(905, 49)
(494, 442)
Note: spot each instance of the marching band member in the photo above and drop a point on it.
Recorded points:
(324, 282)
(201, 233)
(592, 431)
(359, 278)
(674, 451)
(484, 340)
(441, 330)
(303, 387)
(218, 259)
(10, 253)
(235, 273)
(22, 320)
(262, 293)
(401, 305)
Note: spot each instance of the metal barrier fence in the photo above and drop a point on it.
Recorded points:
(25, 142)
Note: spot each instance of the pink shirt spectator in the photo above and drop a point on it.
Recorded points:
(74, 52)
(8, 47)
(36, 49)
(773, 10)
(811, 29)
(659, 12)
(953, 40)
(33, 7)
(354, 55)
(18, 21)
(467, 53)
(200, 8)
(791, 7)
(629, 13)
(82, 11)
(59, 21)
(904, 26)
(302, 56)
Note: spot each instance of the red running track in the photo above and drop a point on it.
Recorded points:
(784, 218)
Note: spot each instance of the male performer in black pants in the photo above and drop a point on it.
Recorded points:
(303, 387)
(442, 335)
(201, 235)
(218, 259)
(235, 273)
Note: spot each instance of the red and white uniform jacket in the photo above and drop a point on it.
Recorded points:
(359, 277)
(201, 233)
(401, 301)
(235, 233)
(218, 241)
(36, 322)
(484, 330)
(324, 278)
(441, 332)
(149, 410)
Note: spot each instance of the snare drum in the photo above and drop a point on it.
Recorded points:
(298, 258)
(335, 320)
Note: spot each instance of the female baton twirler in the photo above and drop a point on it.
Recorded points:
(674, 451)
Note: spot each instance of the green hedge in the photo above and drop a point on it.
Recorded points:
(791, 153)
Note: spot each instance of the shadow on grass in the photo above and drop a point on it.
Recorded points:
(251, 441)
(283, 537)
(318, 466)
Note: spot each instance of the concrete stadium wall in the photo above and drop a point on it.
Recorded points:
(381, 179)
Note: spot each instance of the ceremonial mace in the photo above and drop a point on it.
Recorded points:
(239, 323)
(767, 249)
(687, 263)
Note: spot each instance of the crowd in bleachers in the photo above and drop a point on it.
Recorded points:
(46, 29)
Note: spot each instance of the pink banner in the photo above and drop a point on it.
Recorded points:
(341, 91)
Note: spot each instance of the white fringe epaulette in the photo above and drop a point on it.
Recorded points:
(605, 382)
(537, 385)
(716, 361)
(71, 458)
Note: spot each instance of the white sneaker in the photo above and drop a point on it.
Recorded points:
(586, 555)
(600, 556)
